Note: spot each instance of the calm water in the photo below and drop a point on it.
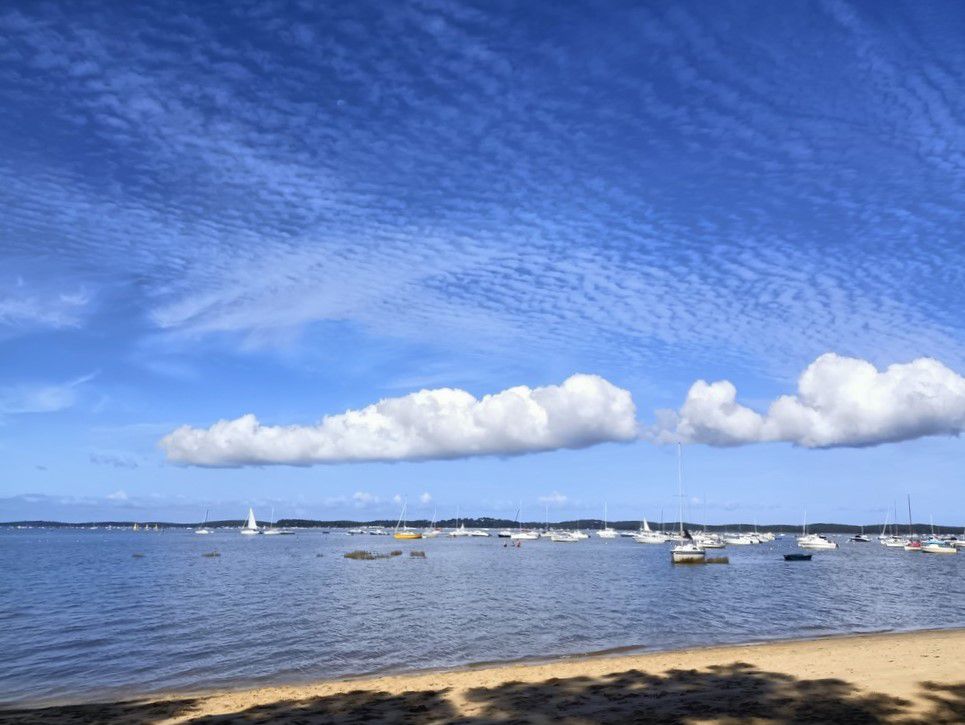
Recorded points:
(81, 618)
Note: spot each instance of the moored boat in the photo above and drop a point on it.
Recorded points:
(251, 526)
(402, 532)
(687, 552)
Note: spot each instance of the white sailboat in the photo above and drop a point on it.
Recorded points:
(273, 530)
(646, 535)
(204, 525)
(520, 534)
(687, 552)
(433, 531)
(251, 526)
(606, 532)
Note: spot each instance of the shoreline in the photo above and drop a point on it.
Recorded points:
(126, 692)
(884, 674)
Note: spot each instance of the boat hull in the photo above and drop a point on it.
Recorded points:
(938, 549)
(687, 557)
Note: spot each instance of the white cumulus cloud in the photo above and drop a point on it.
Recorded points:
(556, 499)
(425, 498)
(840, 401)
(430, 424)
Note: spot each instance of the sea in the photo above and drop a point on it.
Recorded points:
(88, 614)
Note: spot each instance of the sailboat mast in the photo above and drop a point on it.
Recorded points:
(909, 515)
(680, 487)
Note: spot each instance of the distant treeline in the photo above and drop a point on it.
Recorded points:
(490, 523)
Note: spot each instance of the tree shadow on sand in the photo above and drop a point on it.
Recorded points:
(359, 706)
(736, 693)
(127, 711)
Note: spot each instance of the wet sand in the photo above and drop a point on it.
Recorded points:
(908, 677)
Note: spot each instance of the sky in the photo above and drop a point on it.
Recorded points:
(321, 259)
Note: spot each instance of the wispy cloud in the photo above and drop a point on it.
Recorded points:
(840, 401)
(115, 459)
(28, 303)
(554, 499)
(41, 397)
(675, 199)
(430, 424)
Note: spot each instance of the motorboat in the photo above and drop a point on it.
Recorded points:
(738, 539)
(564, 537)
(709, 541)
(816, 541)
(524, 535)
(936, 546)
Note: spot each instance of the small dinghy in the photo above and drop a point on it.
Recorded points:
(798, 557)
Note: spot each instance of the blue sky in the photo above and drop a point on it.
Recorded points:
(293, 211)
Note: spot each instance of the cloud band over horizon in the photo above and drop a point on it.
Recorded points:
(840, 402)
(443, 423)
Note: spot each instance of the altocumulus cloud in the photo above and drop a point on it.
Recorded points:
(840, 401)
(430, 424)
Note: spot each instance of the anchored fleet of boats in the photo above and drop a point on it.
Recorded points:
(688, 547)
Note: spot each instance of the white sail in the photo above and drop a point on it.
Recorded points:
(251, 524)
(646, 526)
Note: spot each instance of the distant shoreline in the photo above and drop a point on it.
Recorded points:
(887, 676)
(489, 523)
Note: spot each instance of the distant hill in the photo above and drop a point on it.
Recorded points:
(491, 523)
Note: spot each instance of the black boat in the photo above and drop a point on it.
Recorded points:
(797, 557)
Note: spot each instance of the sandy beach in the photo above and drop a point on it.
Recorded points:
(909, 677)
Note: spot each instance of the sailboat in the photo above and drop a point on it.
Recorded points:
(403, 532)
(507, 533)
(519, 534)
(433, 531)
(251, 526)
(894, 541)
(270, 530)
(135, 527)
(646, 535)
(606, 532)
(204, 528)
(859, 538)
(686, 552)
(914, 542)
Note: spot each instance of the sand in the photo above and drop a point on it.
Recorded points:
(913, 677)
